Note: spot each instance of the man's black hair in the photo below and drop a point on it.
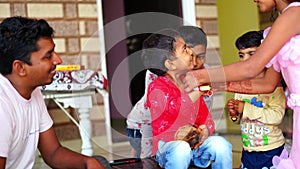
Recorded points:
(18, 39)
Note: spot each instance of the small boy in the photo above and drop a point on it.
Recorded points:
(167, 55)
(259, 115)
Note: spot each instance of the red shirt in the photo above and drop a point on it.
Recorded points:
(171, 109)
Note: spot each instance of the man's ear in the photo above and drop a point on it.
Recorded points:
(170, 65)
(19, 67)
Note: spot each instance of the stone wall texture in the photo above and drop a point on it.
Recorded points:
(207, 19)
(74, 22)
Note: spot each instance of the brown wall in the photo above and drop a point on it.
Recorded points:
(74, 22)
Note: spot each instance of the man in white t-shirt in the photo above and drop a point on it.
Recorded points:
(28, 60)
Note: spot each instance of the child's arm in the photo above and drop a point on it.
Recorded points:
(272, 112)
(235, 108)
(194, 95)
(204, 117)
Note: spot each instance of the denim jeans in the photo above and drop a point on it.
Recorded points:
(261, 159)
(215, 150)
(134, 138)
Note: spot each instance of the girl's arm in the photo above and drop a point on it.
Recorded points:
(265, 84)
(272, 113)
(282, 30)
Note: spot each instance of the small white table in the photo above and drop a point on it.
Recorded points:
(75, 89)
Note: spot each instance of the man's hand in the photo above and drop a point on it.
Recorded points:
(92, 163)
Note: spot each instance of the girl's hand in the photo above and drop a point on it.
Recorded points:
(192, 80)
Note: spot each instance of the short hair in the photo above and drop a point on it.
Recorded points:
(249, 39)
(193, 35)
(18, 39)
(157, 48)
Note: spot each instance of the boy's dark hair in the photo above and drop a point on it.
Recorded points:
(18, 39)
(157, 48)
(249, 39)
(193, 35)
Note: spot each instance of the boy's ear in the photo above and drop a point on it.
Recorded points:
(169, 65)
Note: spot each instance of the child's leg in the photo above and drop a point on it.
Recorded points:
(215, 149)
(134, 138)
(173, 154)
(259, 159)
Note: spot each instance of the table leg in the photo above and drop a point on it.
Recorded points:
(83, 104)
(85, 131)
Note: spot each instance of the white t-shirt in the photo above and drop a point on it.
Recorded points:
(21, 122)
(140, 115)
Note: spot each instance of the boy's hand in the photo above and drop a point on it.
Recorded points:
(235, 108)
(233, 114)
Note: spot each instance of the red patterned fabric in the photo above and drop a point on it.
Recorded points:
(171, 109)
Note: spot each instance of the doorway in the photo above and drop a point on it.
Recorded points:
(139, 19)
